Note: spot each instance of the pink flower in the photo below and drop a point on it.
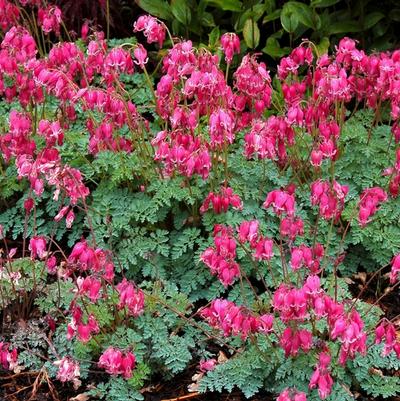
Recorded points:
(222, 126)
(89, 286)
(370, 199)
(386, 332)
(290, 65)
(316, 158)
(52, 132)
(82, 256)
(130, 297)
(28, 205)
(294, 92)
(222, 201)
(281, 201)
(115, 362)
(266, 323)
(220, 259)
(291, 303)
(140, 54)
(248, 231)
(68, 369)
(329, 197)
(321, 377)
(51, 265)
(50, 19)
(293, 340)
(182, 152)
(208, 365)
(305, 256)
(70, 219)
(291, 394)
(394, 273)
(85, 30)
(117, 61)
(230, 43)
(37, 246)
(291, 227)
(349, 330)
(8, 358)
(85, 331)
(264, 249)
(230, 318)
(253, 81)
(9, 15)
(151, 28)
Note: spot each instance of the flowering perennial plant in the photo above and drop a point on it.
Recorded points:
(220, 173)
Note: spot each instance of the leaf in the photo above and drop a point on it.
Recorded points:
(158, 8)
(323, 46)
(372, 19)
(213, 36)
(380, 29)
(289, 20)
(207, 19)
(323, 3)
(226, 5)
(302, 12)
(272, 16)
(395, 14)
(255, 13)
(251, 33)
(344, 27)
(270, 5)
(273, 49)
(181, 11)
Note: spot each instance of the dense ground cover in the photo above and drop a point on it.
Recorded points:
(184, 210)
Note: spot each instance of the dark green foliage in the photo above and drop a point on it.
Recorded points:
(246, 370)
(274, 27)
(373, 373)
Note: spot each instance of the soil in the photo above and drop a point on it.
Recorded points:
(22, 388)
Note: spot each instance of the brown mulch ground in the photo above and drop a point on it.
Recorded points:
(27, 387)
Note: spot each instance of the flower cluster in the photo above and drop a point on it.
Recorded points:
(249, 232)
(306, 256)
(9, 14)
(329, 197)
(230, 43)
(68, 370)
(386, 333)
(234, 320)
(8, 357)
(95, 260)
(348, 328)
(131, 298)
(291, 394)
(50, 19)
(370, 200)
(394, 273)
(77, 327)
(321, 377)
(220, 202)
(37, 246)
(282, 202)
(153, 30)
(115, 362)
(221, 259)
(268, 139)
